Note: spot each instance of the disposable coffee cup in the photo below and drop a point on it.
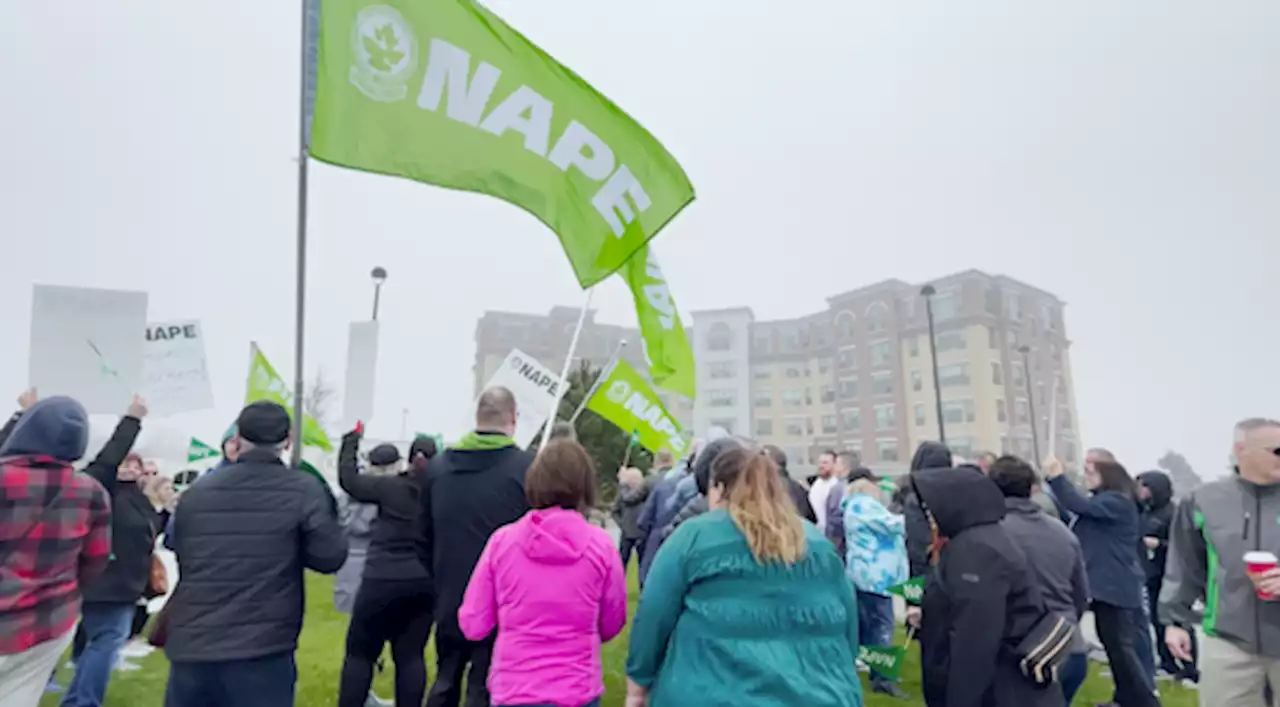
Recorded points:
(1256, 563)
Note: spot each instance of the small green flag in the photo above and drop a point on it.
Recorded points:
(197, 450)
(911, 590)
(885, 660)
(266, 384)
(446, 93)
(635, 438)
(666, 346)
(626, 400)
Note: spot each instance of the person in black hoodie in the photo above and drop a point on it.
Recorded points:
(799, 496)
(110, 599)
(929, 455)
(474, 487)
(1155, 490)
(394, 602)
(981, 599)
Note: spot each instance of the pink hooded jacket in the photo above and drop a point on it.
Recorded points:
(553, 586)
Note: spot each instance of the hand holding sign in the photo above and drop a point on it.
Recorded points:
(137, 408)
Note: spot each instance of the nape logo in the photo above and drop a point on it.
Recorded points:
(618, 391)
(385, 53)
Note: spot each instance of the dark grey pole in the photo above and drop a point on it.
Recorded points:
(928, 292)
(379, 276)
(1031, 404)
(300, 314)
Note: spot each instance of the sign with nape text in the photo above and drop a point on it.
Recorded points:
(177, 373)
(535, 388)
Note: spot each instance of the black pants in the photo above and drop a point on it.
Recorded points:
(1116, 630)
(387, 611)
(140, 617)
(1167, 661)
(628, 547)
(453, 654)
(268, 681)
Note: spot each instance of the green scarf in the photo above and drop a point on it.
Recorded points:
(476, 442)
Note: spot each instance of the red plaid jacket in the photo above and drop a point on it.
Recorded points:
(69, 544)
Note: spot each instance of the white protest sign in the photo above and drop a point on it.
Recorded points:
(534, 387)
(86, 343)
(362, 370)
(176, 370)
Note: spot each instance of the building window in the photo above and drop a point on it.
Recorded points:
(951, 341)
(956, 374)
(725, 423)
(887, 450)
(919, 413)
(764, 428)
(721, 398)
(761, 343)
(828, 393)
(830, 424)
(885, 418)
(993, 339)
(762, 399)
(908, 308)
(844, 325)
(851, 420)
(1020, 413)
(945, 306)
(1001, 415)
(913, 346)
(849, 388)
(790, 341)
(877, 317)
(720, 337)
(961, 446)
(824, 365)
(882, 383)
(1019, 376)
(917, 381)
(956, 412)
(847, 359)
(1012, 306)
(793, 397)
(761, 373)
(795, 426)
(881, 353)
(722, 369)
(791, 372)
(997, 373)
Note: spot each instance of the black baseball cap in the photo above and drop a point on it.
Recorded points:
(384, 454)
(863, 472)
(263, 422)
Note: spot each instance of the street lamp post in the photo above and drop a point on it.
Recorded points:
(928, 291)
(379, 276)
(1031, 402)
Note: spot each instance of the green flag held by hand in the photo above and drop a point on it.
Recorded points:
(197, 450)
(266, 384)
(665, 344)
(885, 660)
(444, 92)
(626, 400)
(911, 591)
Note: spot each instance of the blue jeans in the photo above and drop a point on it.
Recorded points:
(1072, 674)
(875, 626)
(106, 630)
(268, 681)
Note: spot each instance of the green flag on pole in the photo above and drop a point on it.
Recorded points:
(911, 591)
(197, 450)
(665, 344)
(626, 400)
(885, 660)
(444, 92)
(266, 384)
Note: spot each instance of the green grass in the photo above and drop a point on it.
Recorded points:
(320, 652)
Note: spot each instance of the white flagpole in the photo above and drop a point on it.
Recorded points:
(564, 371)
(600, 379)
(300, 295)
(1053, 420)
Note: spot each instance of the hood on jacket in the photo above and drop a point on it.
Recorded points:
(1160, 486)
(555, 536)
(56, 427)
(931, 455)
(478, 451)
(958, 499)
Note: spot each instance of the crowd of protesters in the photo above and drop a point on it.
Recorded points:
(756, 589)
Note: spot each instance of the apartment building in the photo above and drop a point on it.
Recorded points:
(857, 375)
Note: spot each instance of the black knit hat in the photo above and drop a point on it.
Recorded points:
(384, 454)
(263, 422)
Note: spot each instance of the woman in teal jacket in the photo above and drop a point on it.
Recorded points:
(745, 605)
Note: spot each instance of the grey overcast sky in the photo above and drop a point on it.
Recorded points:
(1123, 155)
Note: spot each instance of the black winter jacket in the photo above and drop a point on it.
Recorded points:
(400, 544)
(471, 493)
(980, 600)
(1154, 522)
(134, 523)
(929, 455)
(243, 537)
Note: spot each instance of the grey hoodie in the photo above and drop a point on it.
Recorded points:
(1212, 529)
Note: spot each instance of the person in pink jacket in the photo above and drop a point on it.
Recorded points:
(553, 587)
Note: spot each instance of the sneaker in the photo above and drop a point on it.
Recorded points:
(124, 666)
(374, 701)
(137, 649)
(1189, 684)
(53, 687)
(890, 689)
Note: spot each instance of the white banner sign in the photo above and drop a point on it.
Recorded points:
(176, 369)
(362, 369)
(534, 387)
(85, 343)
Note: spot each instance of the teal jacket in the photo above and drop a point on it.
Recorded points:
(714, 628)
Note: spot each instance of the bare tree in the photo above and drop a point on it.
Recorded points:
(318, 399)
(1185, 479)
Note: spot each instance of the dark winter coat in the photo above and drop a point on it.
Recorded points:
(1107, 525)
(134, 523)
(243, 538)
(980, 600)
(627, 508)
(1055, 557)
(929, 455)
(400, 546)
(1154, 520)
(800, 497)
(474, 488)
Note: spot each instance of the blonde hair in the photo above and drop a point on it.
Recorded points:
(631, 475)
(152, 490)
(760, 506)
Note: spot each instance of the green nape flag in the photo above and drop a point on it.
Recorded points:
(885, 660)
(266, 384)
(665, 344)
(911, 591)
(197, 450)
(626, 400)
(444, 92)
